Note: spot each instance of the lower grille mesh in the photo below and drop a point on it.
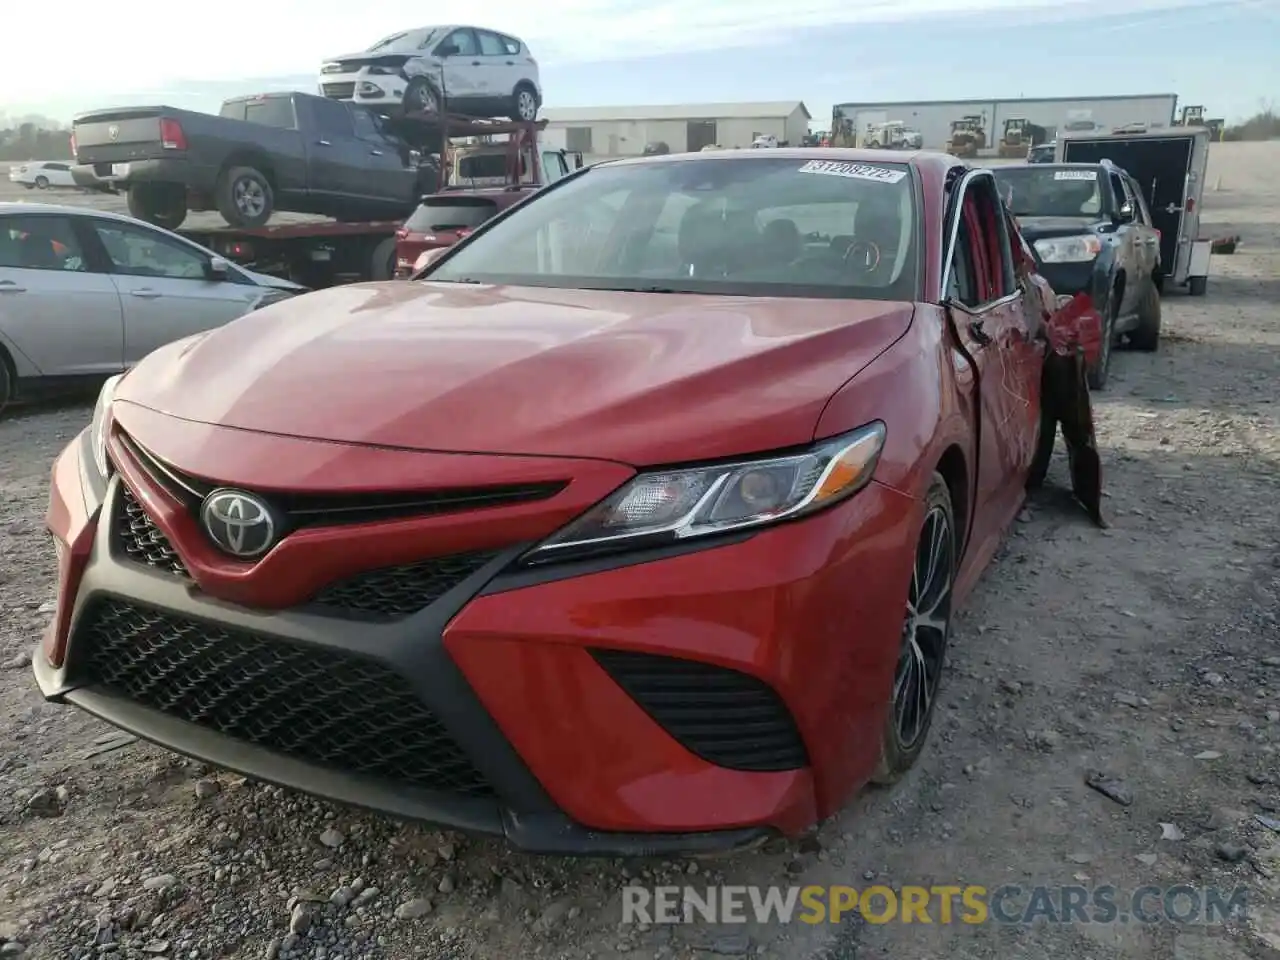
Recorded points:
(726, 717)
(393, 592)
(141, 540)
(331, 709)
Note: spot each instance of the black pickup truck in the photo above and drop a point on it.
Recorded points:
(276, 151)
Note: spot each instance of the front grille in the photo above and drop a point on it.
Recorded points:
(339, 91)
(331, 709)
(399, 591)
(140, 540)
(333, 509)
(726, 717)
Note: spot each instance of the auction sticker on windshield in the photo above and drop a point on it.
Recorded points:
(1075, 175)
(854, 171)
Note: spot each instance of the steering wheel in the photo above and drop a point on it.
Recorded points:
(864, 254)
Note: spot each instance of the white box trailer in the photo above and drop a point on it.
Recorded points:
(1169, 164)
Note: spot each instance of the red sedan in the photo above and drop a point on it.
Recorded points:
(636, 527)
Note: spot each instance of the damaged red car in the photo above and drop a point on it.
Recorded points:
(636, 527)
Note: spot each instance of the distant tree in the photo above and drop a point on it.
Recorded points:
(1263, 125)
(34, 138)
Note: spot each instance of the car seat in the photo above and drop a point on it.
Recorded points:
(37, 253)
(781, 242)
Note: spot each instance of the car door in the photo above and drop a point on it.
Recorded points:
(1129, 250)
(165, 287)
(1148, 237)
(499, 70)
(463, 73)
(61, 313)
(393, 178)
(990, 313)
(340, 164)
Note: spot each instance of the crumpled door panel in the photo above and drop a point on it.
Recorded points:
(1074, 334)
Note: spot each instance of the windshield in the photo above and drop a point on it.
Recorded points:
(744, 226)
(406, 39)
(1050, 192)
(450, 214)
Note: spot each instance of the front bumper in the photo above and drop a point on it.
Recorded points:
(371, 89)
(571, 762)
(1073, 278)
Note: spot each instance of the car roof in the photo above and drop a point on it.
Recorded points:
(18, 207)
(912, 158)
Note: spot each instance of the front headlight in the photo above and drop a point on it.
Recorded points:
(670, 506)
(384, 71)
(1079, 249)
(101, 422)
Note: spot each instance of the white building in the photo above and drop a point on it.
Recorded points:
(602, 133)
(934, 118)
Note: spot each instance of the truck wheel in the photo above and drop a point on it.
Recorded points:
(164, 204)
(1146, 335)
(382, 265)
(421, 97)
(7, 378)
(245, 198)
(1197, 285)
(524, 103)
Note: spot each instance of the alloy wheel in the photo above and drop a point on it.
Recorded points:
(249, 197)
(925, 629)
(526, 105)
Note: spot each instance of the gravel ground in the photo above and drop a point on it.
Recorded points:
(1149, 652)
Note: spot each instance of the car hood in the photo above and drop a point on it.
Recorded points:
(1038, 228)
(639, 378)
(277, 283)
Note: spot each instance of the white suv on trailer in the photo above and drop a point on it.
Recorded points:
(482, 73)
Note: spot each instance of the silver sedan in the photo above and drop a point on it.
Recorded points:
(86, 294)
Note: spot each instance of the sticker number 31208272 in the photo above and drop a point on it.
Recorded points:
(853, 171)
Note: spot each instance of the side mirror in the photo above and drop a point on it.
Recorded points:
(447, 50)
(1126, 213)
(218, 267)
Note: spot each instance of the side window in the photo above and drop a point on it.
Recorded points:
(553, 166)
(963, 285)
(465, 41)
(60, 167)
(510, 46)
(366, 127)
(137, 252)
(332, 118)
(999, 267)
(1139, 202)
(490, 44)
(40, 243)
(1118, 190)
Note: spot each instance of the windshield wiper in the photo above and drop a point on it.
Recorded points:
(640, 289)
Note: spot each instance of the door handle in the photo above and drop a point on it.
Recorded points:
(8, 286)
(1172, 208)
(475, 63)
(375, 153)
(978, 333)
(146, 293)
(323, 143)
(511, 63)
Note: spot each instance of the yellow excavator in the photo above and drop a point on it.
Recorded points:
(1019, 136)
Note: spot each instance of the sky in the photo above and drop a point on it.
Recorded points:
(1220, 53)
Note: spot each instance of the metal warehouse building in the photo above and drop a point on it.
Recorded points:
(1057, 114)
(601, 133)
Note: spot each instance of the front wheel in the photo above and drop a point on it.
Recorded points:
(1146, 335)
(926, 628)
(7, 386)
(1100, 371)
(524, 104)
(42, 183)
(421, 98)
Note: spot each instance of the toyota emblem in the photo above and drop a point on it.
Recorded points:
(113, 132)
(238, 523)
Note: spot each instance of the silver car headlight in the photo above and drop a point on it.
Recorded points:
(1079, 249)
(670, 506)
(100, 424)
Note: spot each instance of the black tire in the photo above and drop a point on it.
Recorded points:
(1197, 286)
(923, 649)
(8, 385)
(245, 197)
(42, 182)
(28, 186)
(421, 98)
(382, 265)
(1146, 335)
(524, 103)
(164, 204)
(1101, 371)
(1045, 441)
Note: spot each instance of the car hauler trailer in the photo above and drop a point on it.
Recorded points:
(324, 253)
(1169, 164)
